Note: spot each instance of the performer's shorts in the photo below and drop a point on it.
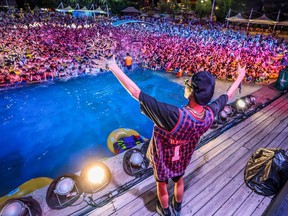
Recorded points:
(174, 179)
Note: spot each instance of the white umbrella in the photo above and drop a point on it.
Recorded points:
(156, 15)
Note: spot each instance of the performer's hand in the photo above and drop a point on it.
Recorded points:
(241, 71)
(105, 63)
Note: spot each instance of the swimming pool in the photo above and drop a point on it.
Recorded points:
(52, 128)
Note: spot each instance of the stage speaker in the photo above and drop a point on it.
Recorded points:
(282, 81)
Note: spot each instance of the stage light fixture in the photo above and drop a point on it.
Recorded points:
(24, 206)
(215, 124)
(241, 105)
(222, 117)
(229, 110)
(250, 100)
(135, 162)
(14, 208)
(64, 191)
(95, 177)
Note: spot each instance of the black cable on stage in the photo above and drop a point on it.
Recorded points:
(105, 199)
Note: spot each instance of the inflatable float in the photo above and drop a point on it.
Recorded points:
(27, 188)
(273, 76)
(121, 133)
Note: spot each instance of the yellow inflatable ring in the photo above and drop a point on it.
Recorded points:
(115, 135)
(27, 188)
(273, 76)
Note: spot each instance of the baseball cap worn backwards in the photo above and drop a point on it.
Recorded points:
(203, 84)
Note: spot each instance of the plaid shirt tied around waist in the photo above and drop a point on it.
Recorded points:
(170, 152)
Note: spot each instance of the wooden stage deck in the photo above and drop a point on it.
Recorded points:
(214, 181)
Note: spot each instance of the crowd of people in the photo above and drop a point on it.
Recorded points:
(35, 47)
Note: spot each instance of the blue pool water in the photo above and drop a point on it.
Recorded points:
(52, 128)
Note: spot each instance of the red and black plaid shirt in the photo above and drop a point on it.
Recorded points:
(176, 134)
(171, 152)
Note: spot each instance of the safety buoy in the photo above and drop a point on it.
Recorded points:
(115, 135)
(27, 188)
(273, 76)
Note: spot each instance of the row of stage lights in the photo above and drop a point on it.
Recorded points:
(239, 107)
(67, 189)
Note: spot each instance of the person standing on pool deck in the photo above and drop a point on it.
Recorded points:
(128, 61)
(176, 130)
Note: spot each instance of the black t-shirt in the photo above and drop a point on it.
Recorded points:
(165, 115)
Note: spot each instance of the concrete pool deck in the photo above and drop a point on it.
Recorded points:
(213, 192)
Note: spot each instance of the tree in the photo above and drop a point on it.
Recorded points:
(187, 5)
(203, 8)
(222, 7)
(163, 6)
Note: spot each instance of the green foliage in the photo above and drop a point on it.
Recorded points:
(49, 3)
(221, 8)
(164, 7)
(168, 7)
(187, 5)
(118, 5)
(203, 8)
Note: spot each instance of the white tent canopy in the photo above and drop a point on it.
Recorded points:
(130, 10)
(263, 20)
(260, 20)
(36, 8)
(67, 9)
(283, 23)
(83, 9)
(238, 18)
(98, 10)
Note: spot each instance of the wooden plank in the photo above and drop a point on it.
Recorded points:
(270, 109)
(281, 111)
(124, 200)
(230, 206)
(227, 189)
(200, 194)
(279, 138)
(208, 194)
(234, 201)
(270, 128)
(216, 201)
(284, 145)
(246, 136)
(262, 117)
(273, 104)
(261, 207)
(250, 204)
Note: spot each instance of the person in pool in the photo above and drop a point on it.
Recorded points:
(176, 130)
(128, 61)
